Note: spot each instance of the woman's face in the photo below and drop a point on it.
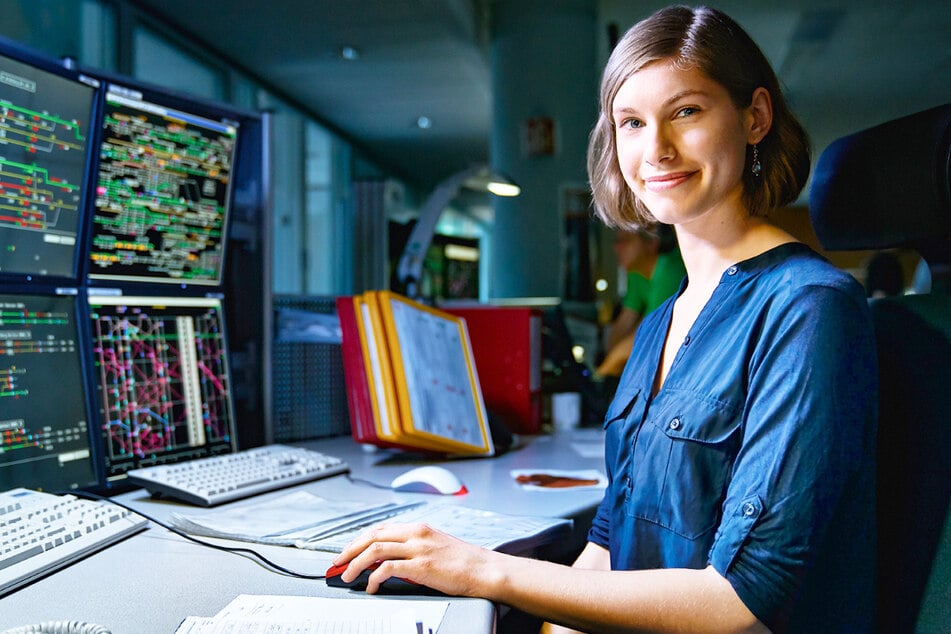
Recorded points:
(681, 143)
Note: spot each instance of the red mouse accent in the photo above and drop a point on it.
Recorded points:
(393, 585)
(333, 576)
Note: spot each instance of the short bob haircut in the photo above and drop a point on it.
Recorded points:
(710, 41)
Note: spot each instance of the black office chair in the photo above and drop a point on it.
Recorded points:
(890, 186)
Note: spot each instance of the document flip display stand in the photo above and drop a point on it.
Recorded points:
(411, 378)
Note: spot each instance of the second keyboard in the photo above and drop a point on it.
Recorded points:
(41, 532)
(219, 479)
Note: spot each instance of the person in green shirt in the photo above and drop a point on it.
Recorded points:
(654, 272)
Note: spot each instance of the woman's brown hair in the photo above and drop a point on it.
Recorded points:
(710, 41)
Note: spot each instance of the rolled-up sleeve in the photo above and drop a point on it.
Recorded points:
(600, 531)
(807, 432)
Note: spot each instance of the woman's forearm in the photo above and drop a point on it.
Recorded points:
(621, 601)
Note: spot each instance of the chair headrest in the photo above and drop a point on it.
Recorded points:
(887, 186)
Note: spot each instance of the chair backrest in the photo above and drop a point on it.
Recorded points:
(890, 186)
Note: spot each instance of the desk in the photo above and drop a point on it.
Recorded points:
(151, 581)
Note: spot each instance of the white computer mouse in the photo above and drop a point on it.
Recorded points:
(429, 479)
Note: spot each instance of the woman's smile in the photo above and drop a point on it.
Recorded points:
(666, 182)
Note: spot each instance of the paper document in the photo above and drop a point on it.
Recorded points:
(260, 614)
(308, 521)
(498, 531)
(288, 519)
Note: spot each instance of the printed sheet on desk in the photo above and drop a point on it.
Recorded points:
(253, 614)
(312, 522)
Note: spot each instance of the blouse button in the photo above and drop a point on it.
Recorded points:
(687, 340)
(748, 509)
(732, 270)
(675, 424)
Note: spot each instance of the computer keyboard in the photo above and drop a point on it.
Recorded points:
(41, 532)
(218, 479)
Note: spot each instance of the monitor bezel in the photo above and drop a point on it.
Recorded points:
(111, 479)
(61, 68)
(187, 104)
(46, 288)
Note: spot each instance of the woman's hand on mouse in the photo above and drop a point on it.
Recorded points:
(421, 554)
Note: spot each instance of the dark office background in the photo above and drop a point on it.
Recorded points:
(369, 105)
(406, 93)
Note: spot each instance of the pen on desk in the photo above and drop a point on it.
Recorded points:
(347, 521)
(385, 512)
(330, 520)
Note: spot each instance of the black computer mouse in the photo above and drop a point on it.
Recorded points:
(393, 585)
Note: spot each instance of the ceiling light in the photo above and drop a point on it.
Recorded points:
(501, 187)
(349, 53)
(492, 180)
(424, 123)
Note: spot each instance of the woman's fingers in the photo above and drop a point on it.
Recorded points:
(380, 543)
(415, 552)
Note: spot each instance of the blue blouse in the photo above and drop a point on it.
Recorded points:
(757, 454)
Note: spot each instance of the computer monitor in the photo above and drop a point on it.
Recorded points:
(46, 114)
(160, 369)
(451, 268)
(44, 435)
(163, 192)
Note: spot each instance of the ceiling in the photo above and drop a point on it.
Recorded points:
(845, 65)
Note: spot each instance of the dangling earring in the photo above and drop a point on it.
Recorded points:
(757, 167)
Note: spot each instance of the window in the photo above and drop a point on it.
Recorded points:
(287, 219)
(327, 225)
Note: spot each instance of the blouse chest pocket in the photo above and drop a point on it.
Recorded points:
(622, 407)
(681, 461)
(623, 410)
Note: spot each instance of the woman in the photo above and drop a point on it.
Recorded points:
(740, 443)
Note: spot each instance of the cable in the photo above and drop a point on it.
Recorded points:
(368, 483)
(200, 542)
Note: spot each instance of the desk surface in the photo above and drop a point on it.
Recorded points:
(151, 581)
